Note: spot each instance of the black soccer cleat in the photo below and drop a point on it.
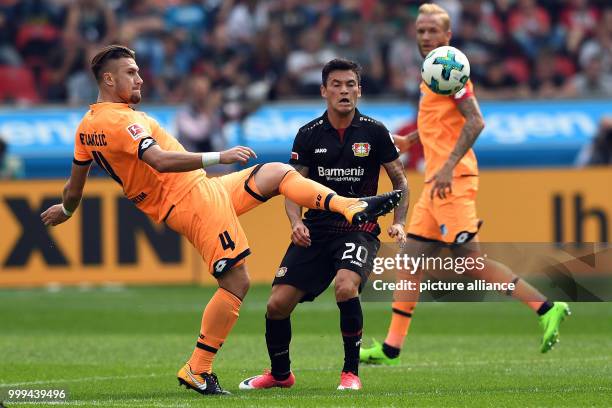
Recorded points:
(369, 208)
(205, 384)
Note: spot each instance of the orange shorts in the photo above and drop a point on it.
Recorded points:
(208, 217)
(452, 220)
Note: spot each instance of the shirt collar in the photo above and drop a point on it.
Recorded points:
(101, 105)
(356, 122)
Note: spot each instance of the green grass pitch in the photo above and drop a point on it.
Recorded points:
(122, 348)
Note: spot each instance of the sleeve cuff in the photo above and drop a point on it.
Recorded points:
(81, 162)
(390, 159)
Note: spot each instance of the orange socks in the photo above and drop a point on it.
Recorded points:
(311, 194)
(219, 317)
(400, 322)
(497, 272)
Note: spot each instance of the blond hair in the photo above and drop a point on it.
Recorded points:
(435, 10)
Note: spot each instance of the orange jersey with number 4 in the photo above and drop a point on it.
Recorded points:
(116, 136)
(439, 123)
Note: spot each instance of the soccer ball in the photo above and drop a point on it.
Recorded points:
(445, 70)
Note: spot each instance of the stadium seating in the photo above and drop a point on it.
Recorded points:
(17, 85)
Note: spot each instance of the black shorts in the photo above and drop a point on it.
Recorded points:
(312, 269)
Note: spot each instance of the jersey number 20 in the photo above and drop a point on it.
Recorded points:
(360, 252)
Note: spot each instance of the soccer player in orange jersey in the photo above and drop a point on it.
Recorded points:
(169, 185)
(445, 214)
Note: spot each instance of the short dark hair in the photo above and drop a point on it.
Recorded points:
(340, 64)
(110, 52)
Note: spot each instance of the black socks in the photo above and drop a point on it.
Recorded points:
(351, 325)
(278, 337)
(546, 306)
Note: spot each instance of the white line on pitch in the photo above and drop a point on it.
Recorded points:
(418, 365)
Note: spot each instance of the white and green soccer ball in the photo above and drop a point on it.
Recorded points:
(445, 70)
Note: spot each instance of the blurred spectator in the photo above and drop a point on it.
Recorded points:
(219, 60)
(266, 66)
(454, 8)
(169, 71)
(470, 42)
(594, 81)
(405, 62)
(199, 126)
(381, 29)
(38, 33)
(487, 25)
(503, 8)
(141, 22)
(530, 26)
(578, 20)
(11, 166)
(599, 151)
(257, 50)
(245, 20)
(498, 83)
(81, 86)
(17, 86)
(305, 64)
(89, 24)
(545, 80)
(8, 29)
(140, 19)
(187, 19)
(292, 15)
(600, 44)
(367, 54)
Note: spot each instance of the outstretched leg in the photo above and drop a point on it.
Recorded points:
(551, 314)
(278, 178)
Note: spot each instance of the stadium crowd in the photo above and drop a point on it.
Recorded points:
(244, 52)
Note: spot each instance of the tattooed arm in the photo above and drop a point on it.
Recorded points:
(474, 124)
(395, 171)
(299, 232)
(469, 133)
(403, 143)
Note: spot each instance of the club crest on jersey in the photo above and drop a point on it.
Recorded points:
(361, 149)
(281, 272)
(136, 131)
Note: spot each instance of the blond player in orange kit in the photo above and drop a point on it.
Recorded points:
(445, 214)
(169, 185)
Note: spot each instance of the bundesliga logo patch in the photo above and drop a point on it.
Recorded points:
(281, 272)
(294, 156)
(136, 131)
(361, 149)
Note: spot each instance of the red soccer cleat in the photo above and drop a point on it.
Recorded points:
(266, 380)
(349, 381)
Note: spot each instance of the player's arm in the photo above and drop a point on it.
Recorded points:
(175, 162)
(299, 232)
(395, 171)
(403, 142)
(71, 196)
(474, 124)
